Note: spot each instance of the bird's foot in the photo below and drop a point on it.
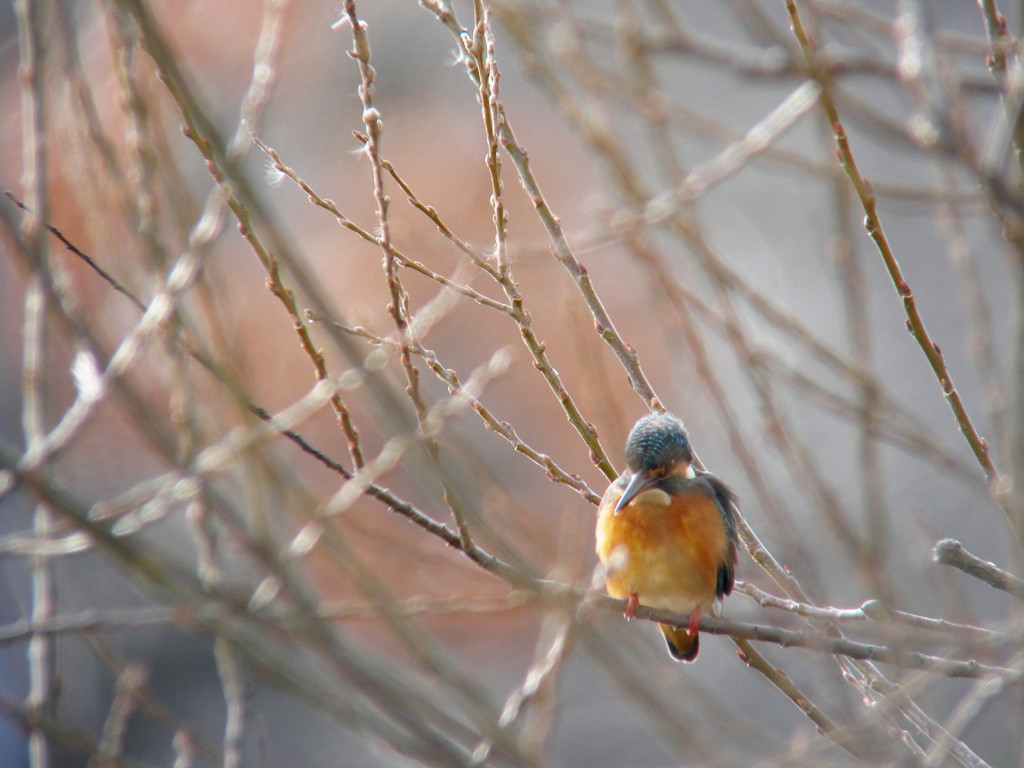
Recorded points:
(631, 603)
(691, 628)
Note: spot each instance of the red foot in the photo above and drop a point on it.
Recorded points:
(691, 628)
(631, 603)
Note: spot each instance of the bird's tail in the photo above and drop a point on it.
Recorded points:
(681, 644)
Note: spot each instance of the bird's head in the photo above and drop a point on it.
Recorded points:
(657, 448)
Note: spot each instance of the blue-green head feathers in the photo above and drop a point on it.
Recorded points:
(658, 441)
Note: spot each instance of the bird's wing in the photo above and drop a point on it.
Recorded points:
(725, 499)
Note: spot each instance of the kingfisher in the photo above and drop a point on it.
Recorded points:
(666, 533)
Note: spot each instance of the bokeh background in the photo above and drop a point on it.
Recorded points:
(184, 584)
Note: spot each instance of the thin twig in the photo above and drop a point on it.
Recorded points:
(111, 747)
(952, 552)
(493, 423)
(873, 225)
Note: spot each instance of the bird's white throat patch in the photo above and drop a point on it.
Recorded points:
(653, 496)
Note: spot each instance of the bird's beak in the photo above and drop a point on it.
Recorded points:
(638, 483)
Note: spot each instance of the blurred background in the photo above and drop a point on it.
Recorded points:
(497, 233)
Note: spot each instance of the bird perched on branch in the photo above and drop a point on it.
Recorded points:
(666, 533)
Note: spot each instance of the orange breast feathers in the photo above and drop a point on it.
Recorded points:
(672, 551)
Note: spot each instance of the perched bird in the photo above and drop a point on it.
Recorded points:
(666, 533)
